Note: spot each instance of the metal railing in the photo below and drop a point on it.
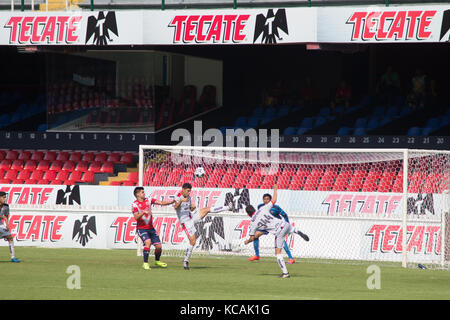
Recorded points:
(23, 5)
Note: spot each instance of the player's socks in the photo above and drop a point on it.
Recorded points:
(11, 250)
(188, 253)
(256, 247)
(281, 263)
(286, 248)
(146, 253)
(157, 254)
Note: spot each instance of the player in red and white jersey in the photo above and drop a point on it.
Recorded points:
(188, 215)
(141, 209)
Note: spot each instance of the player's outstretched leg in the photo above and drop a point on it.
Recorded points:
(205, 211)
(146, 253)
(301, 234)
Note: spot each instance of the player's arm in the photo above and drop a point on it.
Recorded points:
(164, 203)
(5, 221)
(274, 196)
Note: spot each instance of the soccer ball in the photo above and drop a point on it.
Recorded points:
(200, 172)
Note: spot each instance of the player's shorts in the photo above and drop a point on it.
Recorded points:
(4, 233)
(280, 236)
(188, 224)
(146, 234)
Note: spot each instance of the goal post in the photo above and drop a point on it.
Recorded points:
(355, 204)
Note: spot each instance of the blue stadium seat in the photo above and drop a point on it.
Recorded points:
(307, 123)
(42, 127)
(427, 130)
(432, 123)
(320, 121)
(253, 122)
(392, 112)
(361, 123)
(258, 112)
(284, 111)
(373, 123)
(324, 112)
(414, 131)
(290, 131)
(344, 131)
(270, 112)
(378, 111)
(302, 130)
(359, 131)
(445, 121)
(405, 110)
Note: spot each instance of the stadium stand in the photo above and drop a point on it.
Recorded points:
(66, 167)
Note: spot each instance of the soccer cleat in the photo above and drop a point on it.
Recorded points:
(186, 265)
(304, 236)
(15, 260)
(291, 261)
(146, 266)
(285, 275)
(161, 264)
(255, 257)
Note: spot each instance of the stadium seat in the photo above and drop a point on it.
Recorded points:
(81, 165)
(344, 131)
(88, 156)
(37, 156)
(50, 155)
(30, 181)
(56, 165)
(62, 175)
(134, 176)
(113, 157)
(24, 155)
(37, 174)
(414, 131)
(87, 176)
(432, 183)
(42, 181)
(11, 174)
(5, 164)
(74, 176)
(50, 174)
(107, 167)
(126, 158)
(66, 182)
(11, 155)
(128, 183)
(24, 174)
(62, 156)
(115, 183)
(101, 157)
(75, 156)
(416, 182)
(17, 165)
(95, 166)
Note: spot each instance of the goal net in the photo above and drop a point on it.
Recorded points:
(354, 204)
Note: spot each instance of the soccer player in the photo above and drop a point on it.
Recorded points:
(4, 225)
(188, 214)
(277, 212)
(263, 220)
(141, 209)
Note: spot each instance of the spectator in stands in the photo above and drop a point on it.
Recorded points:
(389, 86)
(416, 97)
(342, 96)
(308, 93)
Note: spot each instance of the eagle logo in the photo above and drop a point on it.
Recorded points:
(240, 199)
(445, 27)
(83, 230)
(421, 205)
(270, 25)
(101, 27)
(209, 232)
(69, 196)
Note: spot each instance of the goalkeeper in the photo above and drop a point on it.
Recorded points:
(279, 213)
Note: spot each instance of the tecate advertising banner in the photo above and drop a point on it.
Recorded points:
(384, 24)
(71, 28)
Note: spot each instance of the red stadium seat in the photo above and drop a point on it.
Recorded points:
(62, 175)
(326, 182)
(2, 154)
(37, 156)
(128, 183)
(432, 183)
(57, 182)
(266, 183)
(49, 155)
(5, 181)
(11, 174)
(81, 165)
(68, 166)
(17, 181)
(56, 165)
(95, 166)
(75, 176)
(2, 173)
(43, 165)
(62, 156)
(50, 174)
(42, 181)
(5, 164)
(114, 157)
(115, 183)
(312, 182)
(297, 182)
(88, 176)
(37, 175)
(101, 156)
(88, 156)
(30, 165)
(24, 155)
(133, 176)
(107, 167)
(126, 158)
(30, 181)
(75, 156)
(17, 165)
(416, 182)
(24, 174)
(69, 182)
(283, 182)
(11, 155)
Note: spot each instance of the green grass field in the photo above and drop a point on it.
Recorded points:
(117, 274)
